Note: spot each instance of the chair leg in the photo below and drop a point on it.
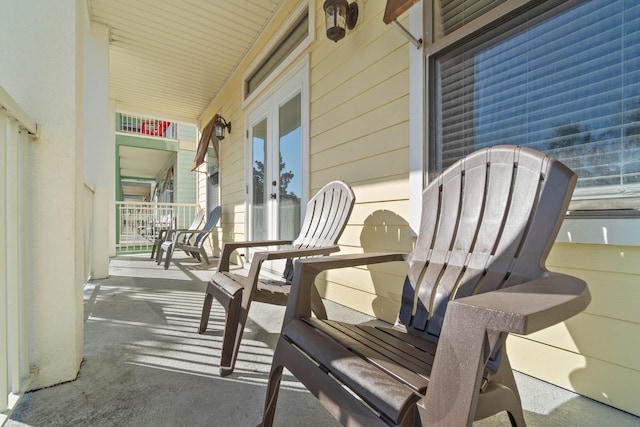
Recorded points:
(159, 253)
(206, 312)
(497, 398)
(233, 329)
(204, 255)
(272, 396)
(167, 259)
(236, 301)
(505, 374)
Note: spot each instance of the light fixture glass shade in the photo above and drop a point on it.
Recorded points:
(339, 16)
(335, 14)
(219, 127)
(219, 130)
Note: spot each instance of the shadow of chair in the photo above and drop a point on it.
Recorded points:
(326, 217)
(476, 274)
(190, 241)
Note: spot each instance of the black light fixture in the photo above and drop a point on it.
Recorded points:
(339, 16)
(219, 127)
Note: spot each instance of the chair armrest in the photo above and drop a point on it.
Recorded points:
(229, 247)
(183, 230)
(306, 270)
(175, 234)
(463, 345)
(170, 232)
(530, 306)
(295, 253)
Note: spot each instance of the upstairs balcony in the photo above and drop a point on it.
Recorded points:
(146, 126)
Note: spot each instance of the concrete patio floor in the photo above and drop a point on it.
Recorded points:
(145, 364)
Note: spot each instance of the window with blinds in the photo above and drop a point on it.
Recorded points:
(565, 81)
(450, 15)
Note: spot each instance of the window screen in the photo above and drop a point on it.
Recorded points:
(565, 81)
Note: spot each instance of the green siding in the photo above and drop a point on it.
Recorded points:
(186, 182)
(187, 133)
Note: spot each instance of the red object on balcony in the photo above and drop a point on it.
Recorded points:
(155, 127)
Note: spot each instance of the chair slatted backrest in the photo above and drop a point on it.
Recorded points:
(212, 220)
(325, 219)
(488, 222)
(326, 216)
(197, 220)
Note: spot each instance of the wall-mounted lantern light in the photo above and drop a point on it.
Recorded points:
(339, 16)
(220, 126)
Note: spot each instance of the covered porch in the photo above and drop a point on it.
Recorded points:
(145, 364)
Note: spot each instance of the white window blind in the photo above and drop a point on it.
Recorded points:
(450, 15)
(565, 81)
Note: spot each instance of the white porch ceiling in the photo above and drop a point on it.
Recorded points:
(142, 162)
(169, 58)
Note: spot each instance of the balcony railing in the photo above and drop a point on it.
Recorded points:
(16, 131)
(139, 223)
(146, 126)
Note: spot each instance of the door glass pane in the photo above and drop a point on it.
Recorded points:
(259, 201)
(290, 140)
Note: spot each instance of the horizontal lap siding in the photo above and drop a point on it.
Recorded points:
(596, 352)
(360, 133)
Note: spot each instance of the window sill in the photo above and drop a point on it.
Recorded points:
(612, 222)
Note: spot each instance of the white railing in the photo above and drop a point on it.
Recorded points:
(146, 126)
(139, 223)
(16, 131)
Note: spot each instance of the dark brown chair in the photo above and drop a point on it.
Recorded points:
(325, 219)
(476, 274)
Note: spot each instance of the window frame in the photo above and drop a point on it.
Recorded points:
(296, 80)
(422, 118)
(285, 29)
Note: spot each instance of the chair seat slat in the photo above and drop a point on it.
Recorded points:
(407, 364)
(377, 388)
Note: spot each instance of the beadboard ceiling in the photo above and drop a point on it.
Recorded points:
(169, 58)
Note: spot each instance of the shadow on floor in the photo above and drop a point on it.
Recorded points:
(145, 364)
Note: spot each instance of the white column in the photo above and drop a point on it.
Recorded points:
(44, 40)
(99, 144)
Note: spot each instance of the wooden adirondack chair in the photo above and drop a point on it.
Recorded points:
(325, 219)
(190, 241)
(477, 273)
(167, 235)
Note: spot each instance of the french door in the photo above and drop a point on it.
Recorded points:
(277, 166)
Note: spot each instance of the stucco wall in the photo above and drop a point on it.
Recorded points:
(44, 75)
